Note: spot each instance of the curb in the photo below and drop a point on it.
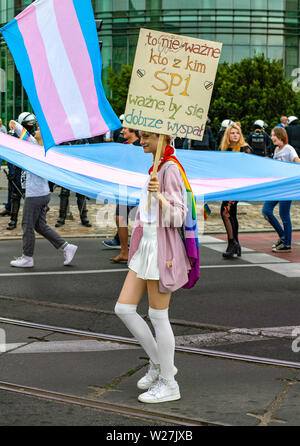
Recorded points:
(107, 235)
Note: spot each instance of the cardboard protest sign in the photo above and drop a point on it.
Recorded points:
(171, 84)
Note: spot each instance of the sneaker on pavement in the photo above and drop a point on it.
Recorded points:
(162, 391)
(151, 376)
(282, 248)
(279, 242)
(112, 244)
(69, 253)
(23, 262)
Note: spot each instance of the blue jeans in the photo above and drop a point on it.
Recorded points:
(284, 233)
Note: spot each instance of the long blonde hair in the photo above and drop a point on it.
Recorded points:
(226, 144)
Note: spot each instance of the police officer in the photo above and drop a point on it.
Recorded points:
(63, 207)
(259, 140)
(28, 121)
(15, 194)
(293, 131)
(64, 199)
(207, 143)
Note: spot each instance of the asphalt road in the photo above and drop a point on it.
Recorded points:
(243, 294)
(234, 294)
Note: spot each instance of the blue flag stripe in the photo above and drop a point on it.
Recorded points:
(17, 47)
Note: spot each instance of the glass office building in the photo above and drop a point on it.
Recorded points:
(246, 28)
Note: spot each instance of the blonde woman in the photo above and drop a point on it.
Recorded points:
(158, 265)
(233, 141)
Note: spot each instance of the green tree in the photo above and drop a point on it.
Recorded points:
(119, 84)
(252, 89)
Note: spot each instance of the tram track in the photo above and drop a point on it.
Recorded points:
(118, 409)
(180, 349)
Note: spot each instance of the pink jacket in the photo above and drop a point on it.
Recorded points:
(173, 262)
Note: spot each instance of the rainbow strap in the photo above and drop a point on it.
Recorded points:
(190, 228)
(25, 136)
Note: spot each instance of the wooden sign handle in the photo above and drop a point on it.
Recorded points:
(159, 152)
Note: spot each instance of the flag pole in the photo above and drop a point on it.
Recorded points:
(159, 152)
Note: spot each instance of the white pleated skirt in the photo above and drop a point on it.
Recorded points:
(144, 261)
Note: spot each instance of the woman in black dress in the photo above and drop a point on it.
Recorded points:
(233, 140)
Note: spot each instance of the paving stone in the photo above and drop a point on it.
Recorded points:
(101, 217)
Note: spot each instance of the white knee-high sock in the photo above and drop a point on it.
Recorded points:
(165, 341)
(139, 328)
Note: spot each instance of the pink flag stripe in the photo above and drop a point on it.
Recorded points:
(234, 182)
(77, 52)
(205, 186)
(25, 11)
(114, 175)
(76, 165)
(48, 96)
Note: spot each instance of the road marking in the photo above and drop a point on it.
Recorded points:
(232, 336)
(270, 262)
(261, 258)
(221, 247)
(264, 261)
(255, 259)
(288, 269)
(62, 273)
(209, 239)
(67, 347)
(272, 332)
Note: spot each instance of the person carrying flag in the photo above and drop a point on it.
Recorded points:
(159, 264)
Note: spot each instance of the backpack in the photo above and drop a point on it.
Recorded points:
(259, 142)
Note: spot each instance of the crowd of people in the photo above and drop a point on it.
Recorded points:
(283, 143)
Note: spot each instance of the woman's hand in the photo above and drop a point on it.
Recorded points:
(153, 185)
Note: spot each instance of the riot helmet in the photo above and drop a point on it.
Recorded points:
(260, 124)
(226, 123)
(28, 121)
(292, 120)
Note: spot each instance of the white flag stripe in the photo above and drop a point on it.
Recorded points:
(64, 80)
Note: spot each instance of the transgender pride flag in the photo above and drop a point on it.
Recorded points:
(55, 47)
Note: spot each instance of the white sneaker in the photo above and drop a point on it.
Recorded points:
(151, 376)
(161, 392)
(23, 262)
(69, 253)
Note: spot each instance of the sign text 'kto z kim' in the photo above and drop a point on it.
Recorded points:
(171, 85)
